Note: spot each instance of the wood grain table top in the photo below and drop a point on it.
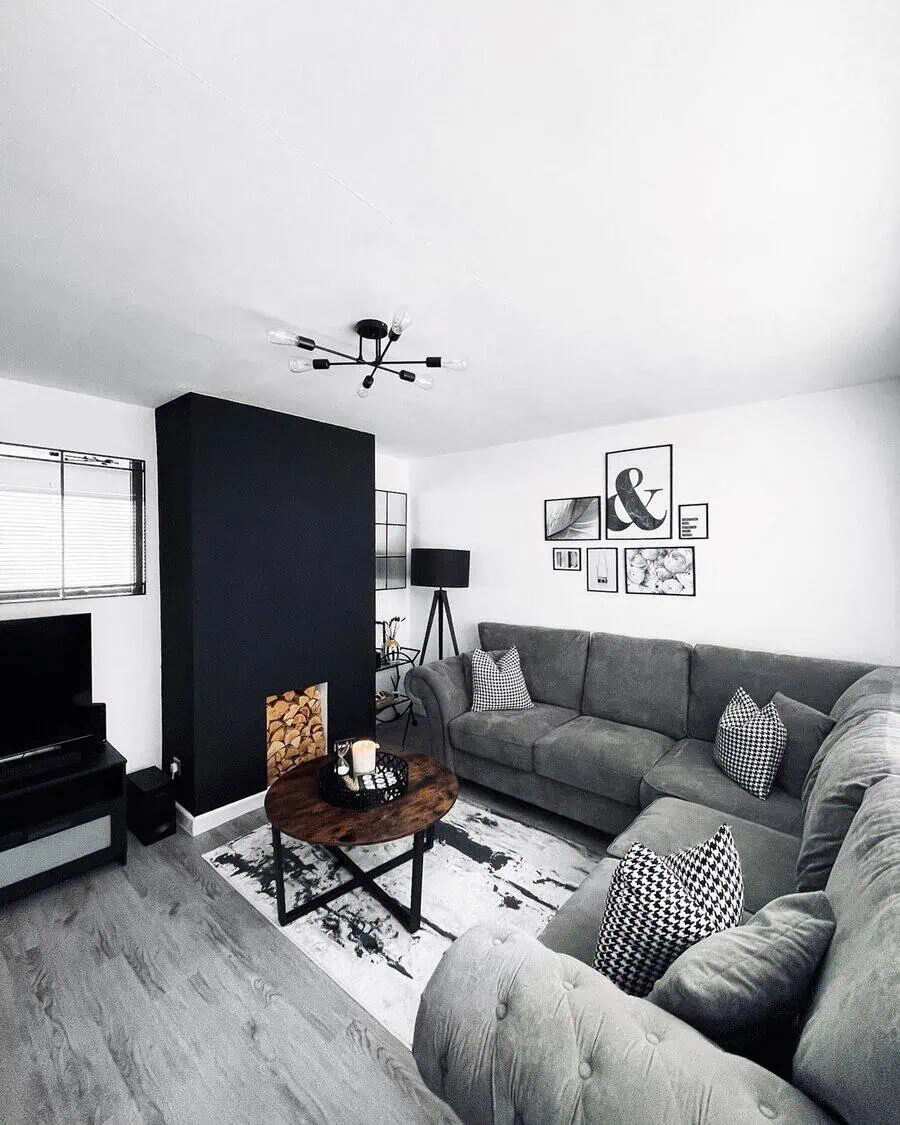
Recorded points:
(294, 806)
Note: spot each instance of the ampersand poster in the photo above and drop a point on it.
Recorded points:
(638, 499)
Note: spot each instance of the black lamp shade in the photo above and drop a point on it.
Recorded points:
(439, 566)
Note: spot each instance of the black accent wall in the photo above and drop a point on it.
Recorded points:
(267, 571)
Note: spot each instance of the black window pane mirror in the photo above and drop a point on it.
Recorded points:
(390, 540)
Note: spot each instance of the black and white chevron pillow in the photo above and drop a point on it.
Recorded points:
(498, 685)
(750, 743)
(659, 906)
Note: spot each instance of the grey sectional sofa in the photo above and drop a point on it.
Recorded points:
(515, 1028)
(618, 721)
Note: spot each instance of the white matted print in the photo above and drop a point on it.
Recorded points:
(567, 558)
(638, 499)
(693, 521)
(660, 570)
(602, 570)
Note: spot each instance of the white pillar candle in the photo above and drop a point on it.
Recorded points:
(364, 756)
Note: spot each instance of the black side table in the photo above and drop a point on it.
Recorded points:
(395, 705)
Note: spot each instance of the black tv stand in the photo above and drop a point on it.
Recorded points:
(66, 820)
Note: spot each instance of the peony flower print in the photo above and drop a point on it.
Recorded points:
(660, 570)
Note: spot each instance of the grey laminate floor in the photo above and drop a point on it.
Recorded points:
(154, 993)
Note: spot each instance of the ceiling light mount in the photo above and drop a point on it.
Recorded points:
(375, 331)
(371, 329)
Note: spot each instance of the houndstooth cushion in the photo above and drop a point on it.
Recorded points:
(498, 685)
(750, 744)
(659, 906)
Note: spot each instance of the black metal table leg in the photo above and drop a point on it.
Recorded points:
(409, 712)
(415, 901)
(279, 877)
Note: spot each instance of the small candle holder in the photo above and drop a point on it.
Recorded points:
(364, 756)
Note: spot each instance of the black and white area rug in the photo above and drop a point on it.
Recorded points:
(483, 866)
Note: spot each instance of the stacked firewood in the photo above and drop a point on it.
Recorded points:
(295, 731)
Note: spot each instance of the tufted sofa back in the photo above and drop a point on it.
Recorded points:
(511, 1033)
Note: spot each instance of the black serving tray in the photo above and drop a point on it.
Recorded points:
(388, 782)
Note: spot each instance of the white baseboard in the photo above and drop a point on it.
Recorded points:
(195, 825)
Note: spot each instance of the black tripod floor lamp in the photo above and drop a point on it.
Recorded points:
(440, 568)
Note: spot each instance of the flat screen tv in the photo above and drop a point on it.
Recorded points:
(45, 683)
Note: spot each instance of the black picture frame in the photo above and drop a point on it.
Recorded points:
(576, 551)
(681, 534)
(683, 593)
(594, 517)
(602, 588)
(609, 497)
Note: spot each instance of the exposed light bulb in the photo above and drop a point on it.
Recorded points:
(298, 366)
(423, 381)
(402, 320)
(362, 390)
(458, 364)
(290, 339)
(282, 336)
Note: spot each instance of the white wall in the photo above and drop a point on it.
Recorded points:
(126, 645)
(804, 548)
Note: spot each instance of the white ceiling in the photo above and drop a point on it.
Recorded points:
(617, 210)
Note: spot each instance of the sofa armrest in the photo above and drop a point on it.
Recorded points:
(444, 692)
(510, 1032)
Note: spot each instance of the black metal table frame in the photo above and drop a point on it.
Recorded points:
(410, 917)
(407, 658)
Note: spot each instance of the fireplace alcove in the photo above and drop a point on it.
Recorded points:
(268, 584)
(296, 728)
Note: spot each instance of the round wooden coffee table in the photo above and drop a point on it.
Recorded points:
(293, 806)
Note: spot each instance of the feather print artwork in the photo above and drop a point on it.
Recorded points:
(576, 517)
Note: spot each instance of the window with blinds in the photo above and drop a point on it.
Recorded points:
(71, 524)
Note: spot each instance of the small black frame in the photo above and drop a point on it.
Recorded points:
(705, 508)
(617, 537)
(576, 551)
(587, 568)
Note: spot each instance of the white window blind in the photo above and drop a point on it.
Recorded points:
(71, 524)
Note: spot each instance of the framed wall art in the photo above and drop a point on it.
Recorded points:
(660, 570)
(567, 558)
(574, 517)
(602, 567)
(693, 521)
(638, 500)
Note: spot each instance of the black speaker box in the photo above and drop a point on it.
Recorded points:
(151, 805)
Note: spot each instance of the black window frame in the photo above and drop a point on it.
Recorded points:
(138, 471)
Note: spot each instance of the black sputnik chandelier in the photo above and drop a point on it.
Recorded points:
(377, 332)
